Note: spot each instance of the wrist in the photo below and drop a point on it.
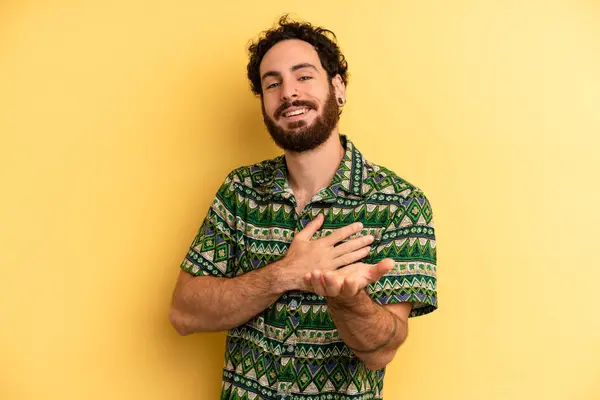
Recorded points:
(280, 275)
(355, 303)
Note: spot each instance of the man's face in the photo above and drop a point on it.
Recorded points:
(298, 101)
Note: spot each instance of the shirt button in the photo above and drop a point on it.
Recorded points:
(290, 348)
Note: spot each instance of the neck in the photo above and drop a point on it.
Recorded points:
(310, 171)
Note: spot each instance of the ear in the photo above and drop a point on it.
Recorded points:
(339, 88)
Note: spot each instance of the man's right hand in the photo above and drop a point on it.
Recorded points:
(306, 255)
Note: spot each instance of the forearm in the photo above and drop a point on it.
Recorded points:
(371, 331)
(209, 303)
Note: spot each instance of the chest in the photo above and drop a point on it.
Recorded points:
(264, 232)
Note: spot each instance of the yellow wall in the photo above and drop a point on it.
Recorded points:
(119, 119)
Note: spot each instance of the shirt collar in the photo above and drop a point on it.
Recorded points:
(348, 181)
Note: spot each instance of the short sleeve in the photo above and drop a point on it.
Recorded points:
(409, 240)
(214, 248)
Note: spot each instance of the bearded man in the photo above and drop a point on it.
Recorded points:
(312, 261)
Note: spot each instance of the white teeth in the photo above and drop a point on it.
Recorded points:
(295, 112)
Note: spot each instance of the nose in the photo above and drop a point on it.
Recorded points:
(289, 91)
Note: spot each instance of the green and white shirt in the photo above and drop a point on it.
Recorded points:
(292, 349)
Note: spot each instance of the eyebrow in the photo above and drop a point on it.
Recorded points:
(294, 68)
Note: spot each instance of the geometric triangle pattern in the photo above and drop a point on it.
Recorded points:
(292, 349)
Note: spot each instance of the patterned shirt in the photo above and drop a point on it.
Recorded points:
(292, 350)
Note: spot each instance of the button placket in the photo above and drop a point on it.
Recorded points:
(293, 320)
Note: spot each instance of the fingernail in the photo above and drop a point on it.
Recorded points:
(360, 225)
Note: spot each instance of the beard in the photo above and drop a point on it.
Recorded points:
(299, 136)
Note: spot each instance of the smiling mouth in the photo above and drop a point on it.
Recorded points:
(300, 111)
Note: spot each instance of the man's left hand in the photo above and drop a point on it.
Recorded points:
(346, 282)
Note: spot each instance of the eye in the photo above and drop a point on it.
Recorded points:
(305, 78)
(272, 85)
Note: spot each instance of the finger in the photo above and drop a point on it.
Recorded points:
(350, 287)
(332, 285)
(352, 245)
(350, 258)
(317, 282)
(311, 228)
(308, 281)
(381, 268)
(342, 233)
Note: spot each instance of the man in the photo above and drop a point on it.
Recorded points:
(315, 260)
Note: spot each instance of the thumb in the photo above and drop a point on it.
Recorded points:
(311, 228)
(381, 268)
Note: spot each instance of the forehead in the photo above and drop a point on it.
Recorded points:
(287, 53)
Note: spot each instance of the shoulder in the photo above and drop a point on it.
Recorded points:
(256, 176)
(388, 184)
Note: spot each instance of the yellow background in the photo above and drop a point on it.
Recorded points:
(119, 120)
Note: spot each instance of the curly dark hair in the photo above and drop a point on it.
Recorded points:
(324, 41)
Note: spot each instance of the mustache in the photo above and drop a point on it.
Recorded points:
(295, 103)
